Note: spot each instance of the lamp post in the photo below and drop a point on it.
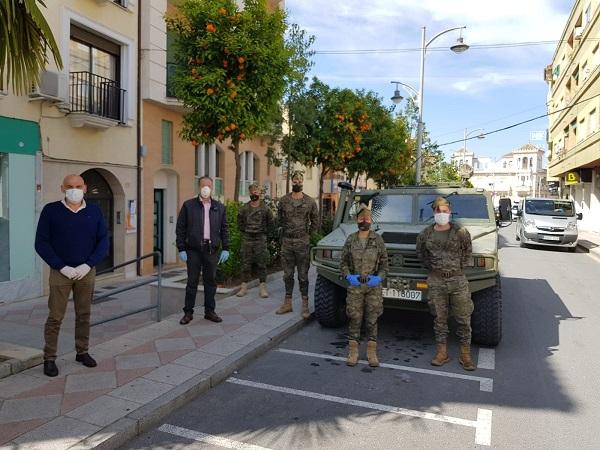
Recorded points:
(458, 47)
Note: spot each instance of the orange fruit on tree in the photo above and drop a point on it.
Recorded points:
(241, 60)
(210, 91)
(222, 11)
(211, 28)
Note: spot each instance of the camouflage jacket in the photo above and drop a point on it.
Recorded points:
(255, 220)
(452, 255)
(370, 260)
(298, 218)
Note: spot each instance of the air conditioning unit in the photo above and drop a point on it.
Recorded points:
(53, 86)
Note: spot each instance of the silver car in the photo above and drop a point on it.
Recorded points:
(547, 221)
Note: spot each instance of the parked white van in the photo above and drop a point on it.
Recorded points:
(547, 221)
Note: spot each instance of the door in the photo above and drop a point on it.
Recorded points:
(100, 194)
(159, 223)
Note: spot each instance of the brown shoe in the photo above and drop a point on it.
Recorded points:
(441, 355)
(465, 357)
(187, 318)
(212, 316)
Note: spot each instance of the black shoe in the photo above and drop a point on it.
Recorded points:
(212, 316)
(50, 368)
(86, 360)
(187, 318)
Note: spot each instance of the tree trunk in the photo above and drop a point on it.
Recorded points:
(238, 169)
(356, 181)
(321, 179)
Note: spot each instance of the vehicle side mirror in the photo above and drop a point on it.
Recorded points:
(579, 216)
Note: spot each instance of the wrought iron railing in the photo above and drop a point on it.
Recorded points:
(100, 96)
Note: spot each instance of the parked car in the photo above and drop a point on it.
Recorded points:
(546, 221)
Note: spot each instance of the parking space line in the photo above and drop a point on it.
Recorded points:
(208, 438)
(482, 425)
(486, 358)
(485, 384)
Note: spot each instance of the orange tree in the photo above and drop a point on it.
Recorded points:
(232, 63)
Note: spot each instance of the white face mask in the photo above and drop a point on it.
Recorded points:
(205, 192)
(441, 218)
(74, 195)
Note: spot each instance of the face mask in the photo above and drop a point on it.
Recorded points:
(364, 226)
(297, 188)
(254, 197)
(441, 218)
(205, 192)
(74, 195)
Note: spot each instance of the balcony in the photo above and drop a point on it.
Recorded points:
(95, 101)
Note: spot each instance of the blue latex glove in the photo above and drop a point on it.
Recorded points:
(353, 280)
(183, 255)
(373, 280)
(224, 256)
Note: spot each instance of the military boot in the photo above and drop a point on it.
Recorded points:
(263, 290)
(372, 354)
(305, 311)
(441, 356)
(286, 306)
(352, 353)
(243, 290)
(465, 357)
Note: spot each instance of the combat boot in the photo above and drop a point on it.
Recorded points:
(286, 306)
(441, 356)
(465, 357)
(243, 290)
(305, 311)
(372, 354)
(352, 353)
(263, 290)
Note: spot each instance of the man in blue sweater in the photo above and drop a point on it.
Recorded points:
(72, 239)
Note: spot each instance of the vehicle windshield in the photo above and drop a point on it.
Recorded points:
(549, 207)
(390, 208)
(463, 206)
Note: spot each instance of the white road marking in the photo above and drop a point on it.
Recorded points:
(482, 425)
(207, 438)
(486, 358)
(485, 384)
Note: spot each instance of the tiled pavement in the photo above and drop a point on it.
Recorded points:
(138, 373)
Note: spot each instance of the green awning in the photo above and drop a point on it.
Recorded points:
(19, 136)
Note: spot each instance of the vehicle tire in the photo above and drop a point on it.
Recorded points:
(571, 249)
(486, 321)
(330, 303)
(517, 237)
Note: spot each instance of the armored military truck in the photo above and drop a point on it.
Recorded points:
(399, 215)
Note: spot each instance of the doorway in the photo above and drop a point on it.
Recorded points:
(159, 223)
(100, 194)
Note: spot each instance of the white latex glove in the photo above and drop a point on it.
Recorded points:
(69, 272)
(82, 271)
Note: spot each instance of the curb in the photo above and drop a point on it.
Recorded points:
(17, 358)
(141, 420)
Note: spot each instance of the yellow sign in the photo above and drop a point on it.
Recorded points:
(572, 178)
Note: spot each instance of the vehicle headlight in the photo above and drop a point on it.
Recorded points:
(482, 262)
(571, 226)
(328, 253)
(529, 223)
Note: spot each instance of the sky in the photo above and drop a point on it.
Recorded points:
(487, 88)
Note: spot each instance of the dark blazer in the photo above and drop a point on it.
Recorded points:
(190, 225)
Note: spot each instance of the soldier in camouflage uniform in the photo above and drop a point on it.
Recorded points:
(364, 264)
(299, 218)
(445, 249)
(254, 220)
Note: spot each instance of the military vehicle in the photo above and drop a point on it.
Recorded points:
(399, 215)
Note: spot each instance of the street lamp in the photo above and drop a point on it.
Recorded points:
(397, 98)
(459, 47)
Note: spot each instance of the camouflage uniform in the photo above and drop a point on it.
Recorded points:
(298, 219)
(364, 258)
(448, 286)
(254, 223)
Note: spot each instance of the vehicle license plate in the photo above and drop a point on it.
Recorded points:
(550, 238)
(402, 294)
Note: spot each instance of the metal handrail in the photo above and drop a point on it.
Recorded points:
(158, 305)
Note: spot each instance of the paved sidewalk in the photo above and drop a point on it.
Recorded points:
(590, 242)
(141, 375)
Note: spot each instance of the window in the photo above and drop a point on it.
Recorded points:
(583, 134)
(587, 15)
(585, 72)
(92, 53)
(530, 162)
(4, 219)
(595, 57)
(504, 165)
(171, 64)
(166, 142)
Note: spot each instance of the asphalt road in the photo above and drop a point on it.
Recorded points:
(537, 389)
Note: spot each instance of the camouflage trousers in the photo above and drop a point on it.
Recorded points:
(450, 296)
(254, 253)
(362, 300)
(295, 253)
